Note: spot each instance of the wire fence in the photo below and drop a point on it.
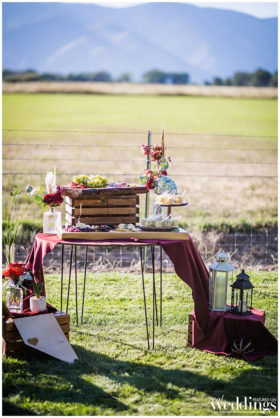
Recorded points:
(200, 134)
(220, 148)
(251, 172)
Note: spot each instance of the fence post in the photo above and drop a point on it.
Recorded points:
(147, 203)
(148, 168)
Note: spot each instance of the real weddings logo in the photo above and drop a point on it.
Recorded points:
(247, 403)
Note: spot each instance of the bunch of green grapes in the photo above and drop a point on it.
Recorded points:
(81, 179)
(97, 181)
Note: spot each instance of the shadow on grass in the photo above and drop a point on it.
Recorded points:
(169, 382)
(50, 380)
(47, 379)
(9, 408)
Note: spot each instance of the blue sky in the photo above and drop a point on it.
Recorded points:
(258, 9)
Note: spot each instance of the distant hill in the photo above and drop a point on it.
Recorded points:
(69, 37)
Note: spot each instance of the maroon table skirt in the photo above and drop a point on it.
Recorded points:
(225, 328)
(188, 266)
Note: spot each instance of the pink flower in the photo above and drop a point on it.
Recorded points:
(146, 149)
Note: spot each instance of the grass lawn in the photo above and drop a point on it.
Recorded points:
(117, 375)
(175, 114)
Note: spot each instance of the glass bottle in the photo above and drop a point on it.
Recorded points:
(51, 221)
(14, 298)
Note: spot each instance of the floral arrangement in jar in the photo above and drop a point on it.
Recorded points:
(157, 178)
(14, 272)
(156, 152)
(53, 198)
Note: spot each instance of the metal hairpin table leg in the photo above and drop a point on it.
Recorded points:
(61, 279)
(154, 293)
(144, 296)
(76, 284)
(160, 277)
(84, 288)
(69, 280)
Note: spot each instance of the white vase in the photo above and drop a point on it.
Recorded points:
(51, 221)
(38, 305)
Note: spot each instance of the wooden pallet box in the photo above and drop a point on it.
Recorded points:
(12, 342)
(110, 206)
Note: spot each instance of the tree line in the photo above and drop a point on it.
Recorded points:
(259, 78)
(153, 76)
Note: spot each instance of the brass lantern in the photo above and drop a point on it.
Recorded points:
(218, 282)
(242, 294)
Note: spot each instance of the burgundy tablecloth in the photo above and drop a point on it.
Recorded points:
(224, 328)
(183, 254)
(212, 331)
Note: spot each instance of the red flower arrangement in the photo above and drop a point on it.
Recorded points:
(156, 152)
(14, 270)
(146, 149)
(54, 199)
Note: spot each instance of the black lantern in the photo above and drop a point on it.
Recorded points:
(242, 294)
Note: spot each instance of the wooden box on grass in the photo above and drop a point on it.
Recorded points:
(12, 341)
(110, 206)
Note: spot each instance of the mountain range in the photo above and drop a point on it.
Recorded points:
(173, 37)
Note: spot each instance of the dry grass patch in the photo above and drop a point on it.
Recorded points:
(139, 89)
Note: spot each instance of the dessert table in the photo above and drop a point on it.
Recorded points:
(183, 254)
(210, 331)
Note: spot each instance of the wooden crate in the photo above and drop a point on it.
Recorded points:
(12, 341)
(191, 319)
(103, 206)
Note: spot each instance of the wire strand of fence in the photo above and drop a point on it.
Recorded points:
(141, 161)
(203, 134)
(220, 148)
(133, 175)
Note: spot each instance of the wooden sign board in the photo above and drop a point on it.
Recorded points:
(43, 333)
(98, 236)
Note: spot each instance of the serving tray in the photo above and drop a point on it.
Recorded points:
(146, 228)
(99, 236)
(171, 205)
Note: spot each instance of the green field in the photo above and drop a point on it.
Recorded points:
(116, 375)
(219, 147)
(175, 114)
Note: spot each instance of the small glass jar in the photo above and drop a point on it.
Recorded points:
(51, 221)
(14, 298)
